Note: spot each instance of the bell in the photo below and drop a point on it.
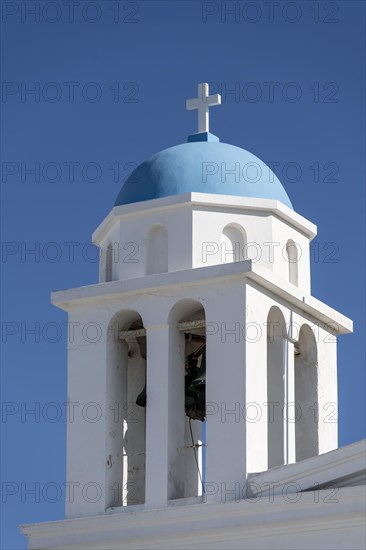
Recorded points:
(195, 387)
(141, 398)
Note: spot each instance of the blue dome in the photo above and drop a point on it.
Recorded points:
(202, 167)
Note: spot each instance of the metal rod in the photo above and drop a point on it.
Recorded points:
(195, 446)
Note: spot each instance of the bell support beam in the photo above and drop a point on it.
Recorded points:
(183, 327)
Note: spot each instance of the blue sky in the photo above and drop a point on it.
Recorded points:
(110, 81)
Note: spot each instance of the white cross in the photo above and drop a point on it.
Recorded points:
(202, 104)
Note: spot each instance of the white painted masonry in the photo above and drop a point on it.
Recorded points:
(271, 359)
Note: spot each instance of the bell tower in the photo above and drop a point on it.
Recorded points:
(200, 356)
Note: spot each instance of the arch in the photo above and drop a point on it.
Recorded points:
(275, 386)
(184, 308)
(109, 263)
(306, 394)
(126, 421)
(292, 256)
(186, 355)
(157, 250)
(233, 243)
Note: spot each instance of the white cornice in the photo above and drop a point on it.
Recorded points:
(220, 525)
(247, 270)
(205, 200)
(330, 468)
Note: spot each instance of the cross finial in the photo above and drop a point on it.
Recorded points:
(202, 104)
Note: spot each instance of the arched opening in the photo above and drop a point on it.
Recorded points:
(157, 250)
(188, 398)
(306, 394)
(233, 244)
(126, 421)
(292, 254)
(109, 263)
(275, 386)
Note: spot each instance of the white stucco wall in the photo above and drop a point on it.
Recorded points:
(258, 304)
(236, 316)
(195, 235)
(105, 375)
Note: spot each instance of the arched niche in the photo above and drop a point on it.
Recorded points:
(109, 263)
(157, 250)
(306, 395)
(292, 255)
(275, 386)
(126, 421)
(187, 355)
(233, 244)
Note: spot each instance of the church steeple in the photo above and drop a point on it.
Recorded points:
(205, 312)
